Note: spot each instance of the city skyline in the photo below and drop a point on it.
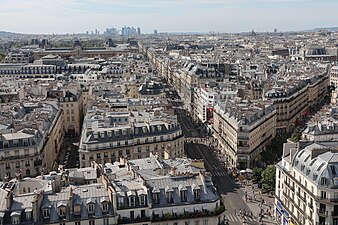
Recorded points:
(74, 16)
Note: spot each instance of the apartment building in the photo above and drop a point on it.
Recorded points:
(30, 138)
(243, 130)
(125, 192)
(174, 192)
(334, 76)
(71, 102)
(306, 184)
(108, 135)
(207, 98)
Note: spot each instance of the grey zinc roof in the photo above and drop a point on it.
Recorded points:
(318, 162)
(82, 195)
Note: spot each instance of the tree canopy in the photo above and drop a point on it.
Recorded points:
(269, 178)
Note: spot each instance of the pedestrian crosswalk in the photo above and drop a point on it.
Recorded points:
(236, 218)
(218, 174)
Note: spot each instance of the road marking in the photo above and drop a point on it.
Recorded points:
(235, 218)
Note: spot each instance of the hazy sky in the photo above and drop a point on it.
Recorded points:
(73, 16)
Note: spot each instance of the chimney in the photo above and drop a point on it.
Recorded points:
(9, 200)
(70, 200)
(36, 203)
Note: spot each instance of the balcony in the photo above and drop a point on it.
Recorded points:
(189, 215)
(126, 220)
(322, 212)
(334, 213)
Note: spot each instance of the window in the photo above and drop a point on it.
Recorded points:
(205, 222)
(120, 202)
(143, 213)
(46, 213)
(78, 223)
(170, 198)
(142, 200)
(91, 222)
(156, 199)
(105, 221)
(139, 149)
(183, 196)
(15, 219)
(28, 216)
(323, 194)
(323, 180)
(104, 207)
(91, 208)
(132, 201)
(197, 195)
(62, 211)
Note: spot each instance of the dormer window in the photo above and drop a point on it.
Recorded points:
(124, 132)
(28, 212)
(116, 132)
(46, 213)
(120, 202)
(90, 205)
(184, 197)
(156, 198)
(104, 204)
(142, 199)
(15, 217)
(131, 201)
(169, 192)
(104, 207)
(61, 207)
(77, 209)
(170, 198)
(197, 194)
(91, 208)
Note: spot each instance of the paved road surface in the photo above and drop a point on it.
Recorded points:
(231, 194)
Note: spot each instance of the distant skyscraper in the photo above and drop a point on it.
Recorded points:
(128, 31)
(138, 31)
(87, 32)
(275, 30)
(155, 32)
(96, 32)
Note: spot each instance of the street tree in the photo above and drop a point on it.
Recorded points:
(257, 174)
(269, 178)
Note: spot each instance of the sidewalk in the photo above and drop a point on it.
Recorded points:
(261, 205)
